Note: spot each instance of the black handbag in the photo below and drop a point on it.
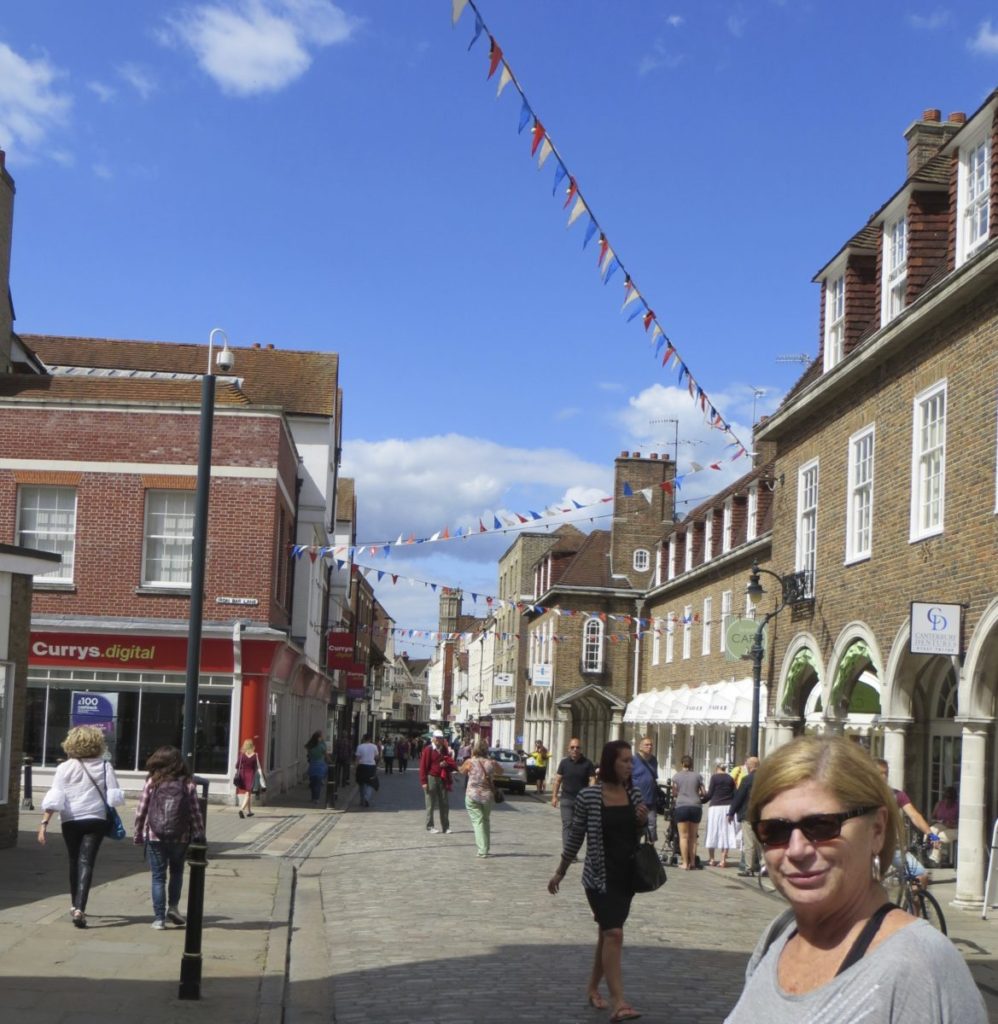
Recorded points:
(647, 872)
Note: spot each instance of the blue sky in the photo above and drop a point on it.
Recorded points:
(343, 177)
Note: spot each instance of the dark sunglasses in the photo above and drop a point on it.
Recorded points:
(817, 828)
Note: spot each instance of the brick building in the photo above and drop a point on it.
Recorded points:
(98, 462)
(885, 489)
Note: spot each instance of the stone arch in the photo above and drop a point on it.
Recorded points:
(979, 678)
(855, 651)
(802, 669)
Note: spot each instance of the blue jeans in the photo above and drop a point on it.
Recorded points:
(316, 780)
(161, 857)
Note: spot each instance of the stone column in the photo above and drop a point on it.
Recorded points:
(779, 733)
(895, 731)
(975, 831)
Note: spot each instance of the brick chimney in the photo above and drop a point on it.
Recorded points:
(926, 137)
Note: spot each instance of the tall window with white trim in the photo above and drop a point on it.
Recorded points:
(46, 521)
(752, 526)
(708, 537)
(726, 529)
(656, 640)
(835, 320)
(687, 631)
(973, 197)
(592, 646)
(670, 634)
(928, 470)
(895, 269)
(672, 557)
(859, 513)
(689, 536)
(726, 598)
(169, 538)
(807, 522)
(708, 607)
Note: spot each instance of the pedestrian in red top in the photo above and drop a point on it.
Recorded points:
(435, 767)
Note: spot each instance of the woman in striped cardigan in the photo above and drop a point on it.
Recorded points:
(610, 817)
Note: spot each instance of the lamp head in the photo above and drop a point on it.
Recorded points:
(754, 590)
(225, 360)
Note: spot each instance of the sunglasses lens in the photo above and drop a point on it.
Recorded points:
(821, 827)
(773, 831)
(816, 828)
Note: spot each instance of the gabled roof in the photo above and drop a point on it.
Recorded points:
(298, 382)
(346, 500)
(590, 567)
(101, 390)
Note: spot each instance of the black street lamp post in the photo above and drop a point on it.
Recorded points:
(794, 589)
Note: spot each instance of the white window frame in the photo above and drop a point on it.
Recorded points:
(147, 539)
(973, 196)
(672, 557)
(656, 640)
(592, 645)
(727, 525)
(708, 610)
(687, 632)
(752, 526)
(895, 268)
(61, 541)
(670, 635)
(641, 560)
(708, 536)
(807, 522)
(928, 462)
(688, 553)
(835, 319)
(726, 606)
(859, 496)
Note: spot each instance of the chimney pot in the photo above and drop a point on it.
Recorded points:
(933, 114)
(654, 455)
(958, 117)
(256, 344)
(635, 455)
(623, 455)
(270, 348)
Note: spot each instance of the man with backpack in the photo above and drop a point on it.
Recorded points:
(167, 819)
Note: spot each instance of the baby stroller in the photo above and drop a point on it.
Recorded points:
(664, 810)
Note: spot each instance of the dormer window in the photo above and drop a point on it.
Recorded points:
(689, 549)
(895, 269)
(708, 537)
(672, 557)
(753, 512)
(726, 535)
(974, 197)
(835, 320)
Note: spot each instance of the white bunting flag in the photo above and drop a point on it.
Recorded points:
(577, 211)
(505, 77)
(457, 9)
(546, 150)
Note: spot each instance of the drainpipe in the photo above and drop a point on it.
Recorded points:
(639, 604)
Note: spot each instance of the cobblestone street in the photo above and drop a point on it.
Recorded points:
(420, 929)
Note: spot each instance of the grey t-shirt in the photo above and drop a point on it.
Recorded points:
(914, 975)
(688, 785)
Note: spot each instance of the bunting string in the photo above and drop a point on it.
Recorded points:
(635, 304)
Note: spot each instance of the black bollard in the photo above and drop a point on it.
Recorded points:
(197, 860)
(331, 785)
(27, 803)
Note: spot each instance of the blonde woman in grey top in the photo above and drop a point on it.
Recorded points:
(827, 821)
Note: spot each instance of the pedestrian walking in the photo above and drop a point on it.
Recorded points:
(575, 772)
(688, 793)
(167, 819)
(722, 835)
(318, 761)
(644, 772)
(435, 767)
(344, 759)
(541, 757)
(366, 760)
(248, 771)
(402, 750)
(83, 788)
(388, 753)
(610, 817)
(479, 794)
(738, 810)
(828, 823)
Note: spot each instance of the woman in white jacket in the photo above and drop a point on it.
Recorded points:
(82, 787)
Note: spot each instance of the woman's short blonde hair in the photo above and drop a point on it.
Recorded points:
(248, 746)
(843, 767)
(481, 747)
(84, 741)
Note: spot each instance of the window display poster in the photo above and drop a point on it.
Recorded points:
(100, 709)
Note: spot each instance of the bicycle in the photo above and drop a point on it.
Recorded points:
(906, 890)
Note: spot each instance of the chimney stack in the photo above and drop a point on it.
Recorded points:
(926, 137)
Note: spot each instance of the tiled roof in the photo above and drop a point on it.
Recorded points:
(808, 377)
(144, 390)
(716, 501)
(346, 499)
(591, 565)
(298, 382)
(934, 172)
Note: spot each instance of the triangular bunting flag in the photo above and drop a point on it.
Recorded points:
(479, 28)
(537, 133)
(524, 116)
(577, 211)
(559, 174)
(456, 10)
(546, 150)
(505, 77)
(627, 492)
(495, 56)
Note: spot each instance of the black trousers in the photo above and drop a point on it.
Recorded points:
(83, 839)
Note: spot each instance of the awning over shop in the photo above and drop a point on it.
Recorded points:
(727, 703)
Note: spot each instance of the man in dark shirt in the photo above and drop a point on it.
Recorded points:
(574, 773)
(644, 777)
(738, 809)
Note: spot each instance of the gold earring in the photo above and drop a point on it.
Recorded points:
(875, 867)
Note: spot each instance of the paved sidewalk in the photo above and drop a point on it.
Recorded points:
(119, 968)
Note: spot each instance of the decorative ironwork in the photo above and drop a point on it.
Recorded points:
(798, 587)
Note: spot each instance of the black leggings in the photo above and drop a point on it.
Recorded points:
(83, 839)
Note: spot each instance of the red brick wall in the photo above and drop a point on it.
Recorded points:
(928, 234)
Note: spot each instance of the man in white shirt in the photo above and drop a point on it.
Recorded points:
(366, 760)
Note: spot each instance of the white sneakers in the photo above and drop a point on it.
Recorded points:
(433, 831)
(159, 924)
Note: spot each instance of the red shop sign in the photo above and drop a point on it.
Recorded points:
(126, 651)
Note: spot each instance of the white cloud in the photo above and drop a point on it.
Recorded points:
(986, 40)
(138, 78)
(736, 24)
(102, 171)
(570, 412)
(105, 93)
(929, 22)
(675, 20)
(30, 104)
(255, 46)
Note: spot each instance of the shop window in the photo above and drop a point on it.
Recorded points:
(46, 521)
(169, 539)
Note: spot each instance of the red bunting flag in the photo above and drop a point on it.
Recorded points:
(481, 527)
(604, 244)
(395, 577)
(715, 465)
(570, 192)
(648, 318)
(445, 535)
(666, 486)
(538, 132)
(495, 56)
(522, 519)
(668, 354)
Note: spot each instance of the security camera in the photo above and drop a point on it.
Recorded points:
(225, 360)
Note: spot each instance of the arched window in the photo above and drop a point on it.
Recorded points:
(592, 646)
(946, 706)
(641, 560)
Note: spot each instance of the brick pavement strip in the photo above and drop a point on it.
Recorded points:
(418, 929)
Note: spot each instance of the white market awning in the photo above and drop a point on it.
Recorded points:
(639, 708)
(726, 704)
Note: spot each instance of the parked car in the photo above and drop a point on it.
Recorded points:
(514, 770)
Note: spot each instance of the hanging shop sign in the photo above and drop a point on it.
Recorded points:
(339, 654)
(935, 628)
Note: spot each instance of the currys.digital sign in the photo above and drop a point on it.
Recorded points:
(935, 628)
